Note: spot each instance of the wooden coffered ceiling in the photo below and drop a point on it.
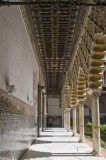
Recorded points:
(57, 26)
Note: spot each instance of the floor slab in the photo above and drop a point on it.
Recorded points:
(58, 144)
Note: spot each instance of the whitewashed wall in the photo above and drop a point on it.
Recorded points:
(17, 60)
(54, 107)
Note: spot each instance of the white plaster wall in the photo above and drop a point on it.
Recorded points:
(54, 107)
(17, 60)
(86, 111)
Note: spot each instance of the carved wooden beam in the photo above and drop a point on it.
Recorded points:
(67, 3)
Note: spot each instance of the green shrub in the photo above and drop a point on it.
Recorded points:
(88, 135)
(89, 127)
(103, 144)
(103, 132)
(89, 124)
(103, 129)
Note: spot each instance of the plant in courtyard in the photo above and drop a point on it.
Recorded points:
(103, 132)
(88, 133)
(89, 128)
(103, 129)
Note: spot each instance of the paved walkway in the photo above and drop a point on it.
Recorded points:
(57, 144)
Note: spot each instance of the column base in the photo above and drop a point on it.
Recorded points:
(96, 154)
(81, 141)
(93, 152)
(74, 135)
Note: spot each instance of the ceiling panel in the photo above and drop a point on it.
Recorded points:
(56, 27)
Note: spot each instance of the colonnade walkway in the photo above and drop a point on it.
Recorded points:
(58, 144)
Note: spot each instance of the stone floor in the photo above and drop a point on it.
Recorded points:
(57, 144)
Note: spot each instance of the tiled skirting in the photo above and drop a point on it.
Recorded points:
(17, 131)
(16, 134)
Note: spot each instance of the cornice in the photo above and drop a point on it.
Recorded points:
(80, 32)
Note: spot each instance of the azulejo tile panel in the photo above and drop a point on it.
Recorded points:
(17, 126)
(17, 132)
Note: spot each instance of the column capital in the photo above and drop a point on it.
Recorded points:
(81, 102)
(74, 107)
(95, 92)
(95, 95)
(68, 109)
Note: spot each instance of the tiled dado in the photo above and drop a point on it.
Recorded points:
(17, 127)
(16, 134)
(12, 104)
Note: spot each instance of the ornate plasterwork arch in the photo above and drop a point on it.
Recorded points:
(67, 91)
(73, 97)
(88, 102)
(81, 57)
(97, 61)
(63, 106)
(94, 24)
(81, 85)
(65, 94)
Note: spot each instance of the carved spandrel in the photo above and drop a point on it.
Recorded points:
(95, 24)
(96, 94)
(88, 101)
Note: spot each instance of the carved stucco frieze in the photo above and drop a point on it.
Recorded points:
(95, 23)
(65, 94)
(88, 101)
(83, 52)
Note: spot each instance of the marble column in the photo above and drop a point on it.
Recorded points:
(68, 120)
(96, 123)
(81, 121)
(65, 120)
(77, 120)
(74, 121)
(42, 118)
(62, 119)
(45, 107)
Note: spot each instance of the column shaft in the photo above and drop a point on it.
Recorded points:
(81, 121)
(68, 120)
(62, 119)
(96, 124)
(74, 121)
(65, 120)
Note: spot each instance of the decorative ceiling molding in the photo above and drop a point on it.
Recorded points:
(53, 31)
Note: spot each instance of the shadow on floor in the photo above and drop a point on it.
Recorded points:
(55, 136)
(35, 154)
(72, 154)
(44, 142)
